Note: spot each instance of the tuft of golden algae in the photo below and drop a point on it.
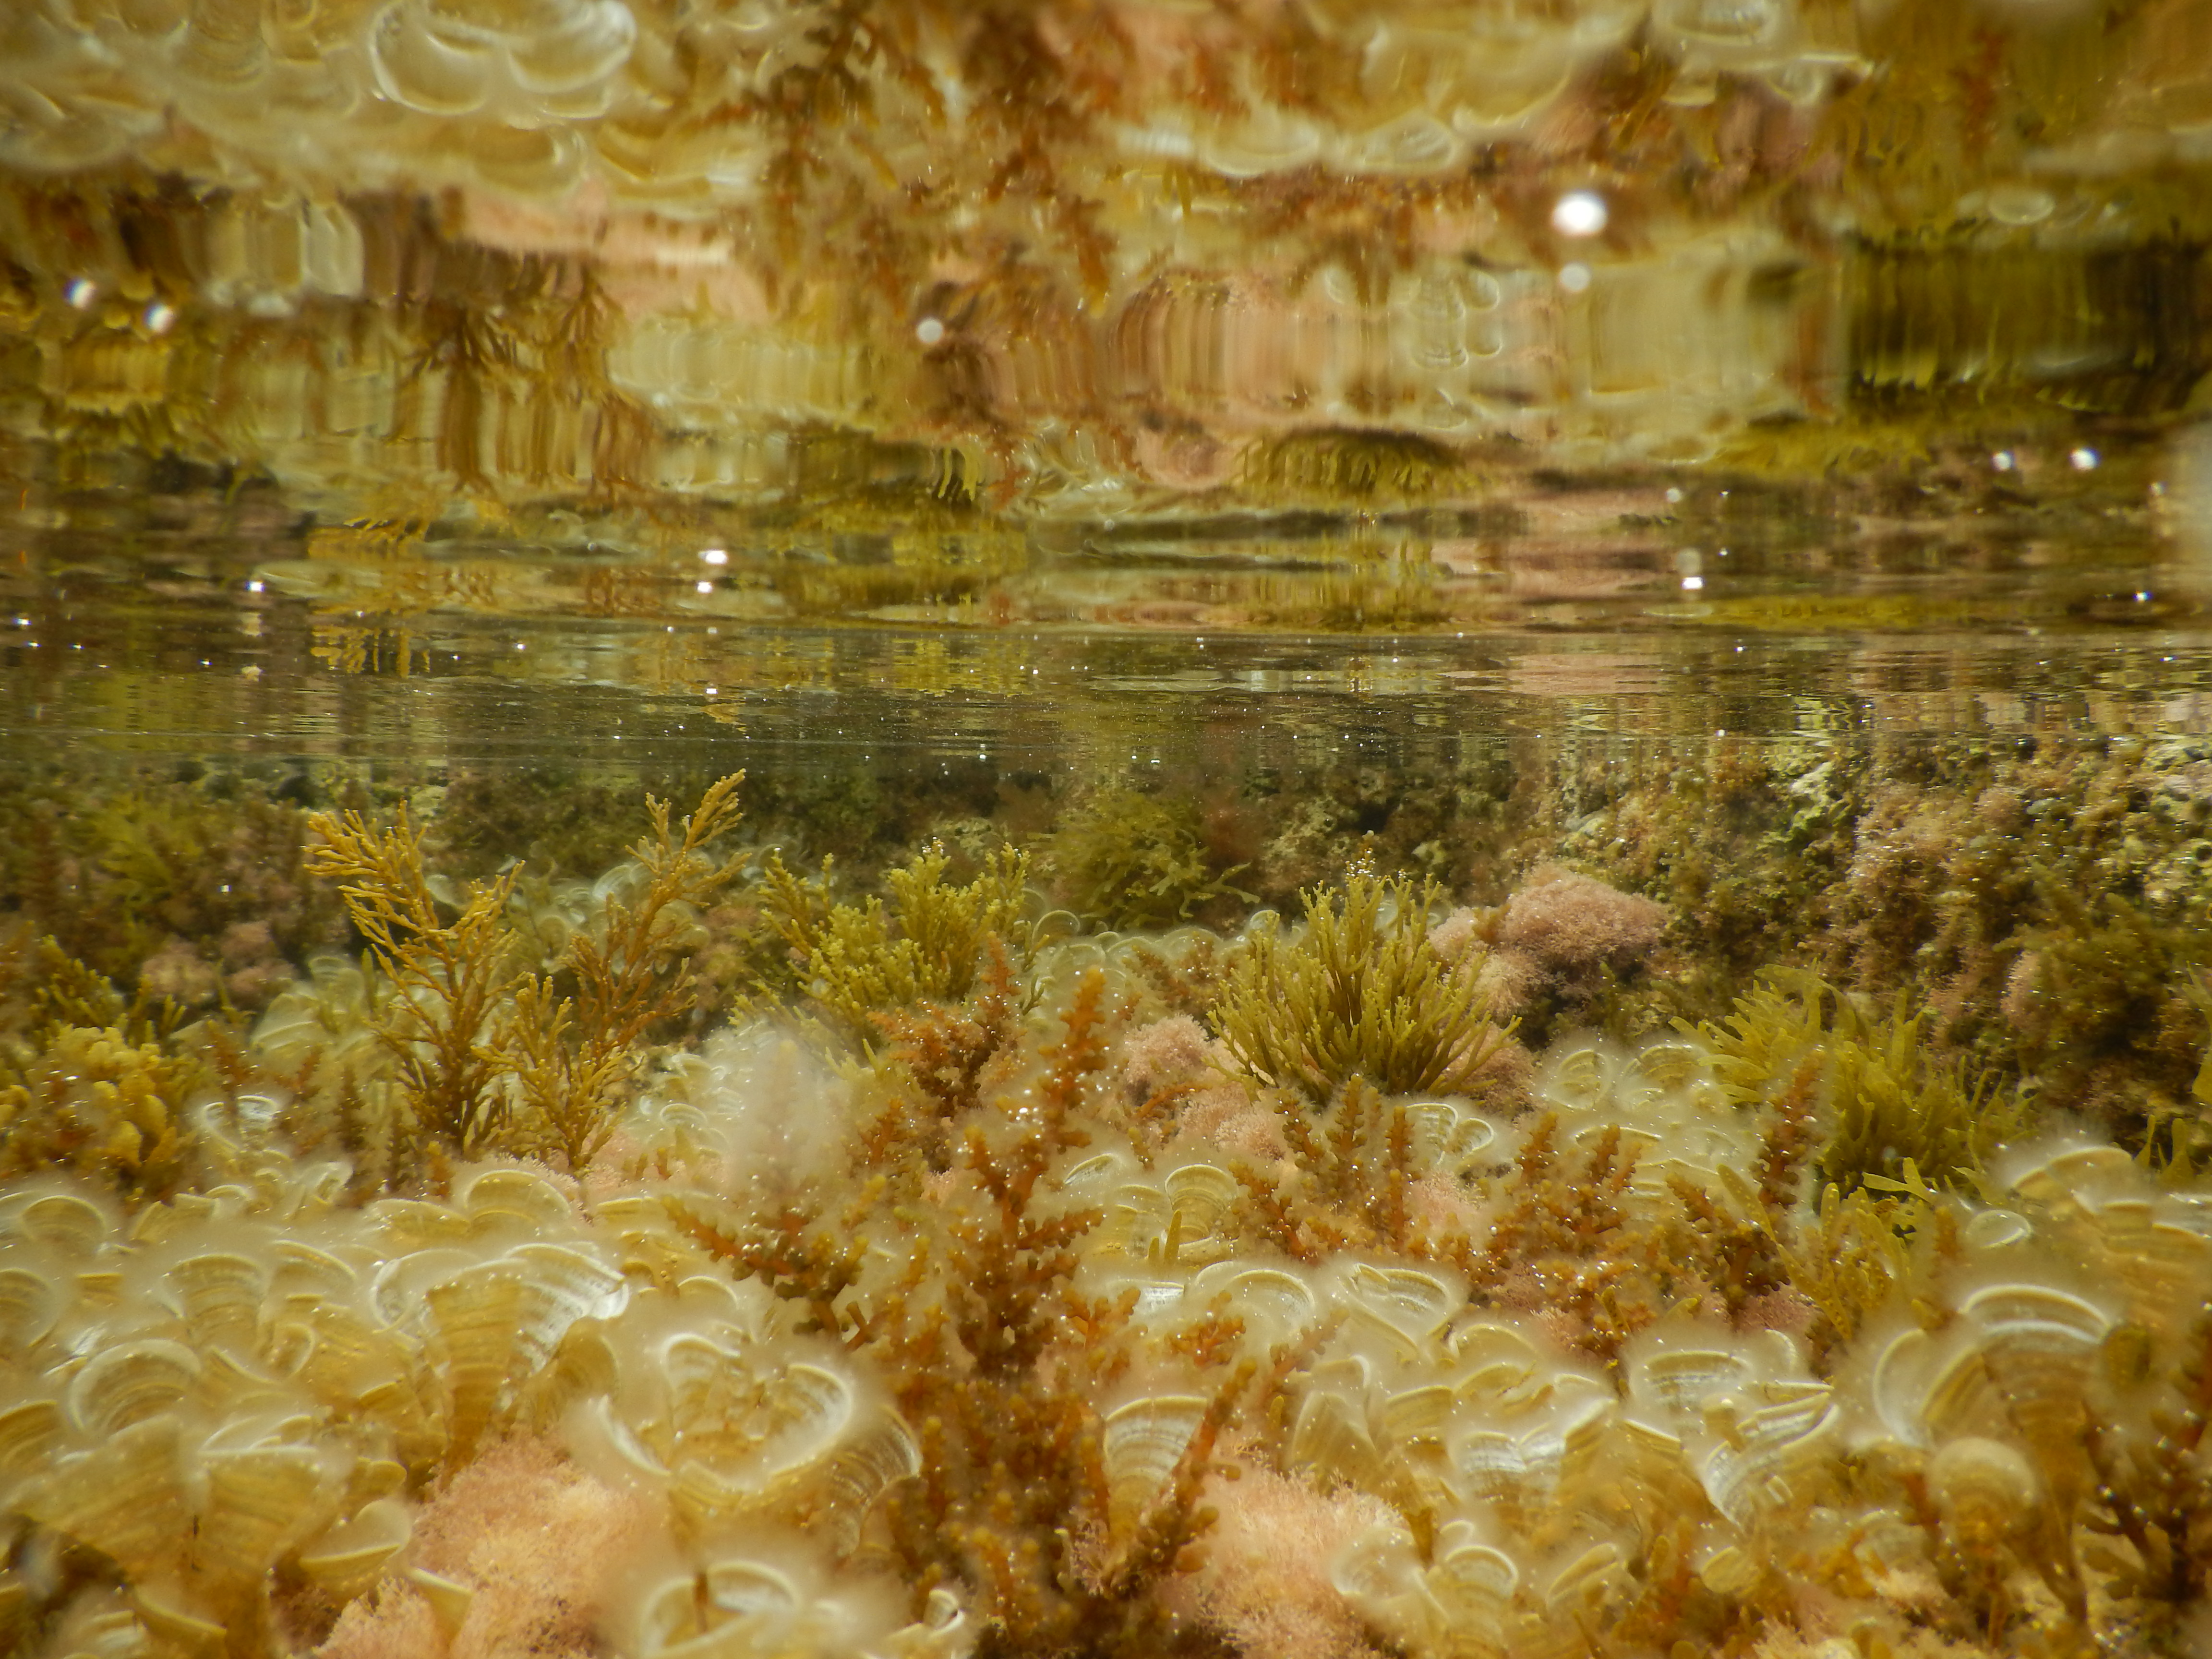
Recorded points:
(1359, 992)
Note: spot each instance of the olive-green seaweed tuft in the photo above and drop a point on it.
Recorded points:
(1890, 1104)
(1131, 860)
(926, 944)
(1359, 992)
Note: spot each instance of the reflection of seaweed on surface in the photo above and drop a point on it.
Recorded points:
(1339, 465)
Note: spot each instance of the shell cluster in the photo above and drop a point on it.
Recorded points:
(1541, 1498)
(256, 1385)
(1538, 1479)
(1664, 1101)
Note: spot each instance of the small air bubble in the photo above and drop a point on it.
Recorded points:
(2084, 459)
(714, 555)
(929, 330)
(1580, 213)
(1574, 278)
(2003, 460)
(706, 587)
(159, 317)
(81, 293)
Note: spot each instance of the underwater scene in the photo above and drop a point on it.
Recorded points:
(1105, 828)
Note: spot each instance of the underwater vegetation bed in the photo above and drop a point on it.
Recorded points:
(1755, 1204)
(1105, 828)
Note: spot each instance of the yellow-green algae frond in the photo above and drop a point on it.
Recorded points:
(1359, 992)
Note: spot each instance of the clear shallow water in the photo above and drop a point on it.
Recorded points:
(1656, 755)
(161, 627)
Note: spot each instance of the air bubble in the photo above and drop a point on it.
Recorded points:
(1580, 213)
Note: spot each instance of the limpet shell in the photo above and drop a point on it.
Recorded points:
(67, 1222)
(124, 1385)
(1141, 1443)
(352, 1556)
(30, 1303)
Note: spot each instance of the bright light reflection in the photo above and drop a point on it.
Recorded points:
(1579, 213)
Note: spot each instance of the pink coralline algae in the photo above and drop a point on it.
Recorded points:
(1568, 925)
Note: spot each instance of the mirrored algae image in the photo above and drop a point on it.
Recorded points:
(1246, 828)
